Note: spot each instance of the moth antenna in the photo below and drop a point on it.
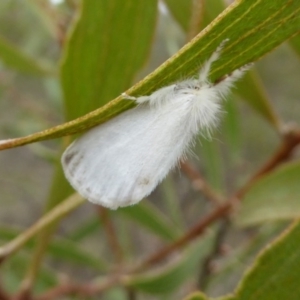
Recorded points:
(227, 81)
(204, 72)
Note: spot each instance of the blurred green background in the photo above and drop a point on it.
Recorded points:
(31, 99)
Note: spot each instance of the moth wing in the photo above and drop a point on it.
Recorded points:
(121, 161)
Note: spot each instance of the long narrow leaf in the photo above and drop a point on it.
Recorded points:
(254, 28)
(14, 58)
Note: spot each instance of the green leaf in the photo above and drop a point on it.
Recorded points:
(13, 274)
(14, 58)
(170, 278)
(224, 298)
(236, 260)
(171, 200)
(252, 91)
(211, 158)
(274, 197)
(149, 217)
(250, 88)
(143, 214)
(254, 28)
(116, 293)
(68, 251)
(196, 296)
(108, 45)
(62, 249)
(231, 125)
(181, 11)
(95, 69)
(275, 273)
(85, 228)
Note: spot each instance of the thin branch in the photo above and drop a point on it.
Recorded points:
(3, 294)
(27, 284)
(23, 295)
(199, 183)
(190, 235)
(110, 233)
(90, 289)
(115, 279)
(55, 214)
(206, 268)
(131, 294)
(291, 140)
(218, 213)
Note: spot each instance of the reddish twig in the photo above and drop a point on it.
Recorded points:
(68, 289)
(199, 183)
(3, 294)
(23, 295)
(89, 289)
(283, 153)
(290, 140)
(194, 232)
(285, 150)
(95, 289)
(110, 233)
(206, 267)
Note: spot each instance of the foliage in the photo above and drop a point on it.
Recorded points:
(71, 62)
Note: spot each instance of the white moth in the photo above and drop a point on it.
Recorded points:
(120, 162)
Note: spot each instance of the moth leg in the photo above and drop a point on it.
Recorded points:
(138, 100)
(204, 71)
(224, 83)
(127, 97)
